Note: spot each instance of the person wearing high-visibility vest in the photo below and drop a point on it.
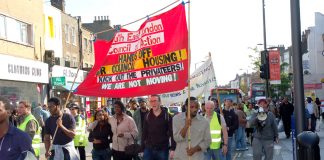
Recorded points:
(28, 123)
(218, 133)
(80, 139)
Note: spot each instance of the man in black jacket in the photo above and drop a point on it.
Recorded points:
(286, 110)
(231, 120)
(157, 131)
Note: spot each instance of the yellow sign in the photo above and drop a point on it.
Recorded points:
(147, 62)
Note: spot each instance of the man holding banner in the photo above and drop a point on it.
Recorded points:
(198, 127)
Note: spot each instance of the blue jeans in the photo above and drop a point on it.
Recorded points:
(212, 154)
(104, 154)
(228, 155)
(152, 154)
(240, 138)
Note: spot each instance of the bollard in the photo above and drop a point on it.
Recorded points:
(308, 146)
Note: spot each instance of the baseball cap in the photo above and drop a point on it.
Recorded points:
(73, 105)
(262, 100)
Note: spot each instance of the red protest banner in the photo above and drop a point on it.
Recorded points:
(151, 60)
(274, 64)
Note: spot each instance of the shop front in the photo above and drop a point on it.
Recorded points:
(62, 83)
(23, 79)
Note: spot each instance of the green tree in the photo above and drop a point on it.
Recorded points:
(255, 58)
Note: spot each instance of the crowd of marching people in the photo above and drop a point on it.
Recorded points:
(145, 129)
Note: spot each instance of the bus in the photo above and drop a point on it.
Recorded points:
(257, 92)
(226, 93)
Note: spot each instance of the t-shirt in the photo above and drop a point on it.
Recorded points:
(61, 138)
(309, 107)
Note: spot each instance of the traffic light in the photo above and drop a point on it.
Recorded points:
(264, 68)
(264, 71)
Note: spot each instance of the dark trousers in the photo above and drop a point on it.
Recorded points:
(313, 122)
(65, 152)
(249, 131)
(103, 154)
(287, 125)
(119, 155)
(153, 154)
(43, 133)
(81, 152)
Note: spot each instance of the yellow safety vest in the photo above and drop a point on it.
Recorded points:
(37, 137)
(80, 136)
(215, 132)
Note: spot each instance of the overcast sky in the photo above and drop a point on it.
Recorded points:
(226, 28)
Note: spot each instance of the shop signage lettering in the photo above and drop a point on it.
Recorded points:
(68, 73)
(24, 70)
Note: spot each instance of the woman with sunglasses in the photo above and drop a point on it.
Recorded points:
(101, 137)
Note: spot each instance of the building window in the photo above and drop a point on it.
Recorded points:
(16, 31)
(23, 33)
(67, 61)
(73, 37)
(74, 62)
(51, 27)
(85, 44)
(66, 32)
(90, 46)
(2, 26)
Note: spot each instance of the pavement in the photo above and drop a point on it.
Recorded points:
(285, 153)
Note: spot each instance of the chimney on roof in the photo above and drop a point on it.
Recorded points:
(59, 4)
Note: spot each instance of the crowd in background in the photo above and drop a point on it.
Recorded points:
(215, 132)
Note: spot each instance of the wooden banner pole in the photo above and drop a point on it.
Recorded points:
(189, 86)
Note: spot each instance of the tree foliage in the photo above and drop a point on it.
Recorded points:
(255, 58)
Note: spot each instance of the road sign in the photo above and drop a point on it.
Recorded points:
(58, 81)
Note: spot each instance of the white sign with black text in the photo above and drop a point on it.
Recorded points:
(201, 82)
(20, 69)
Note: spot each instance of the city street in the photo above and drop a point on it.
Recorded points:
(285, 152)
(286, 148)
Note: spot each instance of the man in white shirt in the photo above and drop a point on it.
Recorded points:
(199, 130)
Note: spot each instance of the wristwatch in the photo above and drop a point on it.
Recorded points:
(225, 145)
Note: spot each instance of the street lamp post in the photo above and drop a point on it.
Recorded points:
(297, 66)
(265, 48)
